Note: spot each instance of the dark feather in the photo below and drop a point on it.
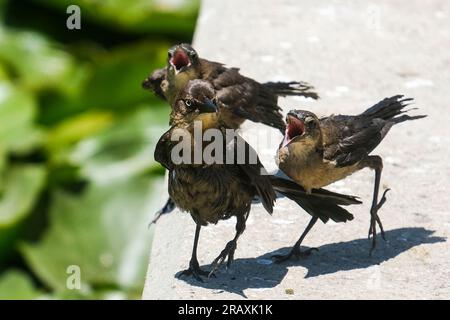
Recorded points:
(320, 203)
(349, 139)
(292, 88)
(153, 82)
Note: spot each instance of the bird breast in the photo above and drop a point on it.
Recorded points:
(209, 193)
(308, 168)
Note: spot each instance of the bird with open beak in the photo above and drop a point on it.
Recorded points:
(215, 191)
(317, 152)
(238, 97)
(242, 97)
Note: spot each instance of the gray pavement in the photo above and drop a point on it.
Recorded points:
(355, 53)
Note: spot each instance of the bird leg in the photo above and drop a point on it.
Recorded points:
(168, 208)
(295, 251)
(230, 248)
(194, 267)
(376, 163)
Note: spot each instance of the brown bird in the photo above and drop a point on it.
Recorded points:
(317, 152)
(239, 97)
(242, 97)
(213, 191)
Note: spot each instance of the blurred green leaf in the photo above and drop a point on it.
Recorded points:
(39, 63)
(123, 150)
(163, 16)
(113, 84)
(76, 128)
(74, 118)
(22, 186)
(104, 232)
(17, 285)
(17, 113)
(116, 81)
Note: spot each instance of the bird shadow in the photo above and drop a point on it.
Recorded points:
(260, 273)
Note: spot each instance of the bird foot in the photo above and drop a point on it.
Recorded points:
(227, 253)
(194, 271)
(295, 253)
(374, 220)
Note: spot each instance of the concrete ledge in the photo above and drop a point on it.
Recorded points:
(355, 54)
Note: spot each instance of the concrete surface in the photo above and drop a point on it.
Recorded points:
(355, 53)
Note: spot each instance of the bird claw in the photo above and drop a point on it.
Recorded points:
(375, 219)
(229, 250)
(294, 253)
(195, 271)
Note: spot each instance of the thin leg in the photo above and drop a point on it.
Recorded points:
(230, 248)
(295, 251)
(168, 208)
(376, 163)
(194, 267)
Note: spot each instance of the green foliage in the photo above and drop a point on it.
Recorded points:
(78, 182)
(103, 231)
(23, 185)
(176, 17)
(16, 285)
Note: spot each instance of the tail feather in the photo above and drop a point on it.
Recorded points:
(406, 117)
(320, 203)
(388, 108)
(292, 88)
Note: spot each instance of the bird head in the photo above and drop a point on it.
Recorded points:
(181, 58)
(196, 102)
(301, 126)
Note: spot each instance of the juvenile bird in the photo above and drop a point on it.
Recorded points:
(213, 191)
(241, 97)
(317, 152)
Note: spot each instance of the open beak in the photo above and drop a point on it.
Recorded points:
(294, 128)
(208, 106)
(180, 61)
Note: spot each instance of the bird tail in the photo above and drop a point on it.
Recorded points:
(292, 88)
(320, 203)
(391, 109)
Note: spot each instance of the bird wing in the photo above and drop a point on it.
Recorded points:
(347, 140)
(249, 164)
(153, 82)
(162, 151)
(245, 97)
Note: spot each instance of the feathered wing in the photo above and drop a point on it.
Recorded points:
(247, 98)
(162, 151)
(248, 162)
(357, 145)
(349, 139)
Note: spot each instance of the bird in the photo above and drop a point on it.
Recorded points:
(316, 152)
(218, 190)
(243, 97)
(240, 97)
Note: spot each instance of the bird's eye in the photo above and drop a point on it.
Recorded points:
(188, 102)
(193, 54)
(309, 120)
